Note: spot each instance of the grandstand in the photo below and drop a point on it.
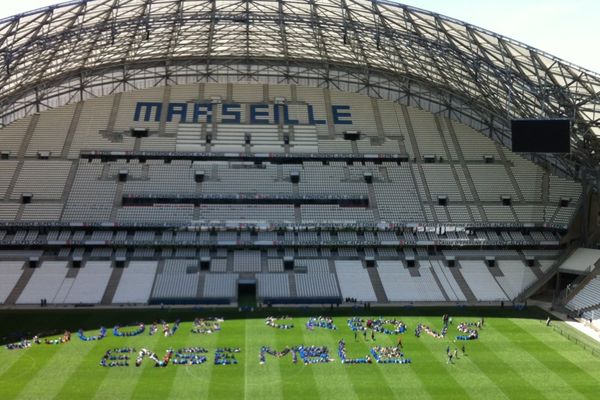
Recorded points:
(167, 186)
(184, 222)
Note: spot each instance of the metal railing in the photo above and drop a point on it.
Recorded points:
(593, 349)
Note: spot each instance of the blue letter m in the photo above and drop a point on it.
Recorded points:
(148, 108)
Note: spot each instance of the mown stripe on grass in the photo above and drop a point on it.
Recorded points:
(577, 378)
(261, 381)
(191, 382)
(9, 357)
(429, 361)
(48, 380)
(297, 380)
(361, 348)
(504, 341)
(227, 381)
(21, 371)
(402, 379)
(332, 379)
(146, 385)
(501, 373)
(568, 348)
(85, 381)
(468, 375)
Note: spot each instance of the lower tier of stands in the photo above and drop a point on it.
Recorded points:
(280, 277)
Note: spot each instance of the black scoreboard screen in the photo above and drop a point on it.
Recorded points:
(541, 135)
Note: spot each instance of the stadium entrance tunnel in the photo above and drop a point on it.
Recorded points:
(247, 292)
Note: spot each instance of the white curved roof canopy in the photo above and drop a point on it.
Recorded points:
(81, 49)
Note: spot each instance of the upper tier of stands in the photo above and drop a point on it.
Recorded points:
(470, 173)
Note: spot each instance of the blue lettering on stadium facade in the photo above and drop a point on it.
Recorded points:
(232, 113)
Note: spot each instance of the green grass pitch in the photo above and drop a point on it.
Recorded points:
(515, 357)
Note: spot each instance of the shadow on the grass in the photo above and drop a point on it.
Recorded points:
(26, 323)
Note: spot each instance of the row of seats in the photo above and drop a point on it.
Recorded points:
(90, 199)
(588, 296)
(399, 285)
(481, 282)
(272, 285)
(316, 284)
(446, 279)
(354, 280)
(516, 277)
(143, 281)
(264, 238)
(178, 279)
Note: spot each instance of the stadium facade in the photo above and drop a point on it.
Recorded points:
(168, 151)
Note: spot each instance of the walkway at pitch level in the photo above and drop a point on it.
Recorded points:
(584, 328)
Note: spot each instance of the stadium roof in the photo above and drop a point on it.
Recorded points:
(81, 49)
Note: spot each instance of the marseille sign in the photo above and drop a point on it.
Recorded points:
(231, 113)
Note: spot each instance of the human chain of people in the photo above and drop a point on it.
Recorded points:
(297, 354)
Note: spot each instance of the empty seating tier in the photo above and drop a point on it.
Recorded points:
(588, 296)
(10, 272)
(136, 283)
(273, 286)
(177, 281)
(43, 179)
(44, 283)
(354, 280)
(481, 281)
(516, 277)
(90, 283)
(399, 285)
(220, 285)
(317, 285)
